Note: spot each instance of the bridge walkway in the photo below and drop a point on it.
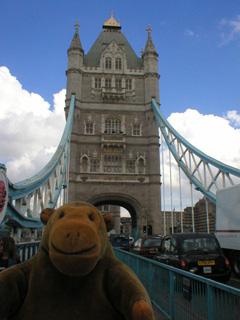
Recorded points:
(175, 294)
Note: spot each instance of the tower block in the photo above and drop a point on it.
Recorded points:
(114, 152)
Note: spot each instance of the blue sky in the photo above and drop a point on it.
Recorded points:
(198, 43)
(198, 51)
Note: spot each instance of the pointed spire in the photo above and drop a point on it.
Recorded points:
(149, 45)
(76, 43)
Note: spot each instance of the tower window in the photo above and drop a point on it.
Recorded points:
(108, 63)
(89, 128)
(136, 130)
(129, 84)
(113, 125)
(113, 163)
(108, 83)
(118, 83)
(118, 63)
(97, 83)
(105, 208)
(94, 165)
(130, 166)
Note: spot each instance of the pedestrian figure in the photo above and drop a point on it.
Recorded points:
(8, 253)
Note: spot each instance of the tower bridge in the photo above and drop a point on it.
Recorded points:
(110, 149)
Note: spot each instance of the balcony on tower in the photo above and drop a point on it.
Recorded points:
(113, 94)
(113, 140)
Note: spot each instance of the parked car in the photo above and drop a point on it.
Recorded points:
(199, 253)
(146, 246)
(120, 241)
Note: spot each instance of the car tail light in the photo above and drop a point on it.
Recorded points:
(227, 263)
(183, 264)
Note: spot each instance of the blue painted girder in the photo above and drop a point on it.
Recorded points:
(162, 123)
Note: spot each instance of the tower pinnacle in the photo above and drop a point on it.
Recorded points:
(149, 30)
(149, 45)
(76, 43)
(76, 26)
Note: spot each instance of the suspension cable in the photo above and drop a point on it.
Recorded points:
(170, 170)
(180, 197)
(193, 222)
(163, 186)
(206, 204)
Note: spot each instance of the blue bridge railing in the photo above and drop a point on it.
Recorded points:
(181, 295)
(27, 249)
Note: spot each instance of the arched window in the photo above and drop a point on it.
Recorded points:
(113, 125)
(141, 165)
(84, 164)
(108, 63)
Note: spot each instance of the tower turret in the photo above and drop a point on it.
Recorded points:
(75, 62)
(150, 63)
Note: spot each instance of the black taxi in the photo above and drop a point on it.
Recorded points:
(199, 253)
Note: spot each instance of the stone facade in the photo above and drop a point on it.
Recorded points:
(114, 153)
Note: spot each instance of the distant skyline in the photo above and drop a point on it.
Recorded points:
(198, 43)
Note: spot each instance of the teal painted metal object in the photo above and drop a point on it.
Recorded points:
(181, 295)
(24, 189)
(26, 250)
(176, 143)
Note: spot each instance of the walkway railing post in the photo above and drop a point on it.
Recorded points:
(150, 281)
(138, 267)
(210, 304)
(171, 290)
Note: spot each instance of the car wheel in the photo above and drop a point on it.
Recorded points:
(236, 265)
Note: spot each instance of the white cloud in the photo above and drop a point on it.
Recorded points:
(30, 133)
(231, 30)
(212, 135)
(189, 33)
(234, 118)
(29, 130)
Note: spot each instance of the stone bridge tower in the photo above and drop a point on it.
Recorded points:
(114, 153)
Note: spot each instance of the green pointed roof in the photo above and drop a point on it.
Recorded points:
(108, 34)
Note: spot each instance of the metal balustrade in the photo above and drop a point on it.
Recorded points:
(181, 295)
(26, 250)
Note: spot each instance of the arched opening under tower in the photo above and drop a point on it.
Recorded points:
(132, 214)
(132, 208)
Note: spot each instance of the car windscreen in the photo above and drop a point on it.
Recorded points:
(120, 239)
(200, 244)
(152, 243)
